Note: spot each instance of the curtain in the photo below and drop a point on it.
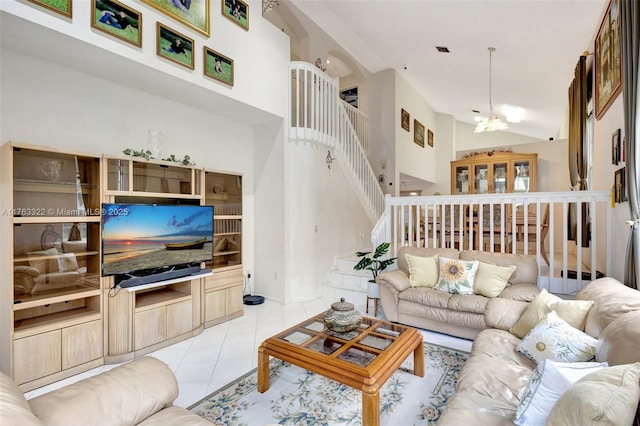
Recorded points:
(578, 160)
(630, 37)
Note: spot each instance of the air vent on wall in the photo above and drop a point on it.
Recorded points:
(442, 49)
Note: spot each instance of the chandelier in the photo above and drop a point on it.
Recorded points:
(268, 5)
(492, 122)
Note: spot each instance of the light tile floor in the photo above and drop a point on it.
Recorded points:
(222, 353)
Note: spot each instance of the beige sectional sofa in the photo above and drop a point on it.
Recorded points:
(462, 315)
(494, 378)
(137, 393)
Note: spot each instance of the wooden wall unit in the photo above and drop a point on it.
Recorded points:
(494, 172)
(53, 292)
(145, 318)
(224, 290)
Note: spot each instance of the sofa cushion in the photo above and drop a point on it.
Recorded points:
(612, 300)
(504, 313)
(424, 252)
(471, 408)
(456, 276)
(618, 343)
(175, 416)
(426, 296)
(468, 303)
(125, 395)
(526, 266)
(521, 292)
(491, 279)
(495, 369)
(423, 271)
(553, 338)
(14, 408)
(572, 311)
(606, 397)
(549, 381)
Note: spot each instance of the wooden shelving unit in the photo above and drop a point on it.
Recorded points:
(145, 318)
(495, 172)
(52, 214)
(224, 290)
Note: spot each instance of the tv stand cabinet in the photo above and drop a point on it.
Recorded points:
(147, 317)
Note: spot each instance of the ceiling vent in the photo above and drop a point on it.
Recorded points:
(442, 49)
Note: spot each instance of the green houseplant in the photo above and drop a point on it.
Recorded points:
(372, 261)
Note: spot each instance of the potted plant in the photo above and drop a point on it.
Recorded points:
(372, 261)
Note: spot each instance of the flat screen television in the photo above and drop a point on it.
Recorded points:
(145, 238)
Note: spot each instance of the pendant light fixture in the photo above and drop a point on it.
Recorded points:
(491, 123)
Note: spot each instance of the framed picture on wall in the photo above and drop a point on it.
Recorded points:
(192, 13)
(430, 138)
(174, 46)
(118, 20)
(63, 7)
(405, 119)
(620, 186)
(237, 11)
(218, 66)
(616, 148)
(418, 133)
(608, 63)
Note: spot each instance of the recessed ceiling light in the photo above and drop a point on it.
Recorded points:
(442, 49)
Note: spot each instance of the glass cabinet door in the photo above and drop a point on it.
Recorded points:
(521, 171)
(499, 178)
(481, 174)
(462, 179)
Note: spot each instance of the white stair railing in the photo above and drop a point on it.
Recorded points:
(361, 124)
(318, 115)
(496, 222)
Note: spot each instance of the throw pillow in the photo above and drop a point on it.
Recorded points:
(609, 396)
(549, 381)
(43, 261)
(553, 338)
(67, 262)
(492, 279)
(572, 311)
(423, 271)
(456, 276)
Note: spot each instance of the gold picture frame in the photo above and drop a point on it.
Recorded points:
(174, 46)
(237, 12)
(608, 61)
(418, 133)
(66, 9)
(430, 138)
(405, 119)
(104, 17)
(192, 13)
(218, 66)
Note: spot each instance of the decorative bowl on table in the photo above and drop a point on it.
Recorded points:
(342, 317)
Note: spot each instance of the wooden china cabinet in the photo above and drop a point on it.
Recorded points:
(494, 172)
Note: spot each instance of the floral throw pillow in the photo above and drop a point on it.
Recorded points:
(553, 338)
(457, 276)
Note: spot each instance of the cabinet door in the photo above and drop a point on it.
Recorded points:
(481, 179)
(179, 318)
(499, 177)
(234, 300)
(36, 356)
(215, 305)
(521, 173)
(461, 180)
(81, 343)
(150, 327)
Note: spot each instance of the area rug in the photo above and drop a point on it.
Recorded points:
(299, 397)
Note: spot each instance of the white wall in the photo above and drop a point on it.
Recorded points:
(466, 140)
(48, 105)
(324, 217)
(383, 124)
(412, 159)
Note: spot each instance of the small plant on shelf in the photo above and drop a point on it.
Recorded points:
(147, 155)
(371, 261)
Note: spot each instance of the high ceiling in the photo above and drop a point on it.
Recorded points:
(537, 43)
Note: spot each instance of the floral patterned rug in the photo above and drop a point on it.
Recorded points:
(299, 397)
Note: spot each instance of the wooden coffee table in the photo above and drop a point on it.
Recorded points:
(363, 359)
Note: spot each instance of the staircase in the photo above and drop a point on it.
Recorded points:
(347, 283)
(318, 115)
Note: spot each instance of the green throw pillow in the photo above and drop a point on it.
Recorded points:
(492, 279)
(423, 271)
(457, 276)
